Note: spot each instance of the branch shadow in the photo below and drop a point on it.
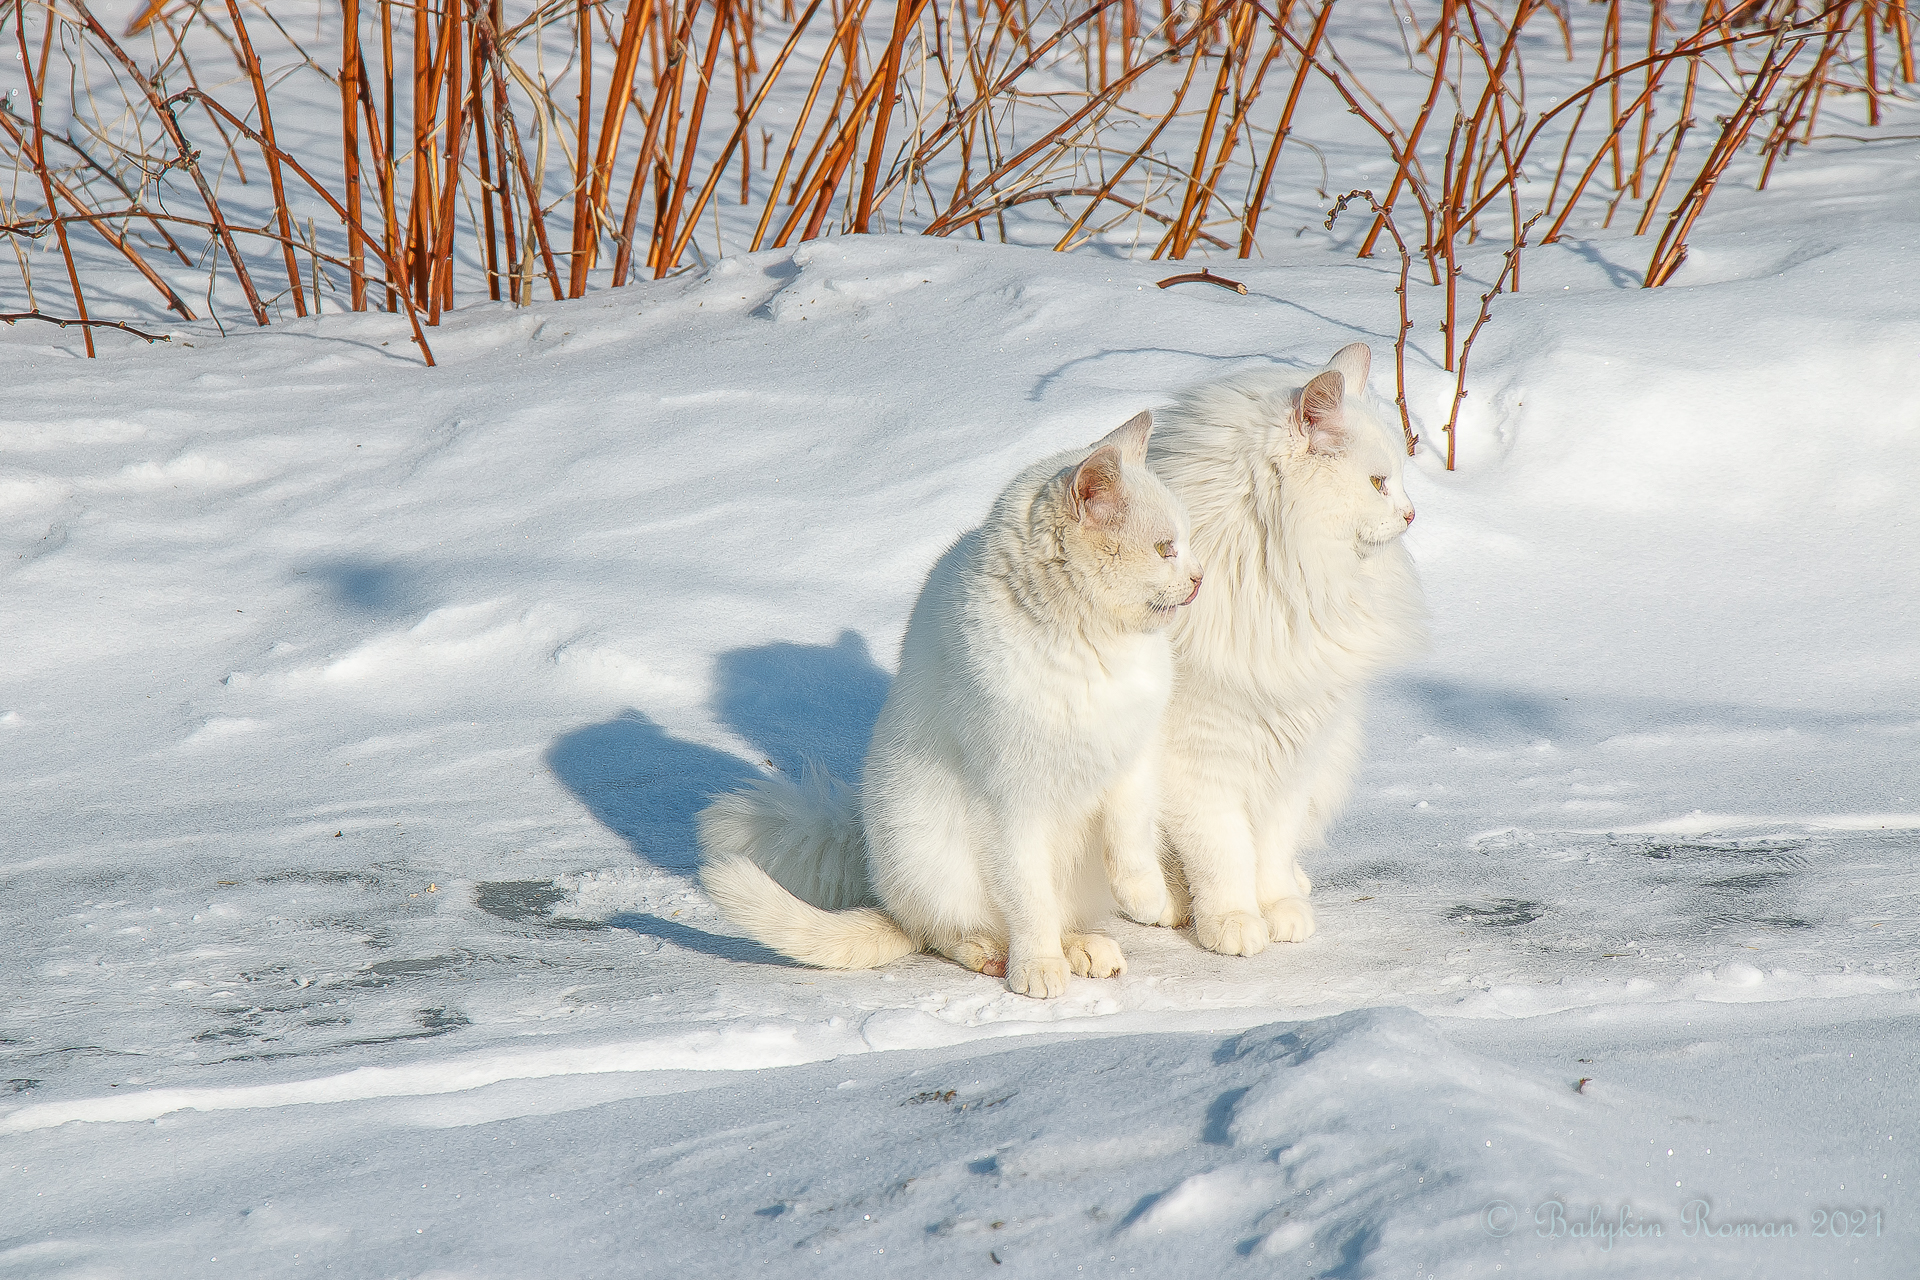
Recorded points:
(1618, 276)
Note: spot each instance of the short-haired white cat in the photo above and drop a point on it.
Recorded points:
(1298, 511)
(1011, 774)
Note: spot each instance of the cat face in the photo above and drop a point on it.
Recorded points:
(1342, 473)
(1131, 534)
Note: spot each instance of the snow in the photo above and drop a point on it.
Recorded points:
(354, 716)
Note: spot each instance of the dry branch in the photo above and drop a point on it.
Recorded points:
(11, 316)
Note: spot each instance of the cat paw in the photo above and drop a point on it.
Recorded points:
(982, 955)
(1236, 933)
(1093, 955)
(1042, 977)
(1145, 898)
(1289, 919)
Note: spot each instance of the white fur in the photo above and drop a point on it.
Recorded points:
(1015, 747)
(1310, 594)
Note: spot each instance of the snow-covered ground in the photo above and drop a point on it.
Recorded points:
(354, 716)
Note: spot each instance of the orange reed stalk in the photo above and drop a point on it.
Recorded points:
(1406, 322)
(848, 22)
(1898, 17)
(350, 77)
(746, 117)
(1403, 172)
(1192, 205)
(906, 17)
(188, 156)
(958, 207)
(626, 63)
(477, 111)
(1250, 224)
(677, 195)
(585, 237)
(384, 169)
(99, 223)
(413, 316)
(39, 152)
(1511, 268)
(1672, 249)
(666, 93)
(252, 65)
(454, 133)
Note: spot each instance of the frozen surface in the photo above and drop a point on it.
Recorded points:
(354, 716)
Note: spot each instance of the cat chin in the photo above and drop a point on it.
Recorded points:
(1366, 548)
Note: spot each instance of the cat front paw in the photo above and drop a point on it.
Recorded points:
(1093, 955)
(1234, 933)
(1042, 977)
(1289, 919)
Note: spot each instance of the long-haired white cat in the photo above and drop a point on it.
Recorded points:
(1016, 747)
(1298, 509)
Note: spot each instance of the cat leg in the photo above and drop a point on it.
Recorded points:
(1132, 848)
(1176, 881)
(979, 953)
(1093, 955)
(1024, 888)
(1216, 849)
(1281, 888)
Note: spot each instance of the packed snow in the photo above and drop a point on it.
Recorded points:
(354, 716)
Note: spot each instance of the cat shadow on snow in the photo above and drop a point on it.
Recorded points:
(796, 703)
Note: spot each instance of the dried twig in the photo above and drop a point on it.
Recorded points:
(1510, 267)
(1383, 217)
(1202, 276)
(11, 316)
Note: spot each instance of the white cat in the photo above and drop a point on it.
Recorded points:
(1015, 748)
(1298, 509)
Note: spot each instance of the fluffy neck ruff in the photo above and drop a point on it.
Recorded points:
(1292, 592)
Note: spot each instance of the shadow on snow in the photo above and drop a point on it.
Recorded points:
(794, 703)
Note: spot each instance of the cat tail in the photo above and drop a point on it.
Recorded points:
(788, 864)
(860, 938)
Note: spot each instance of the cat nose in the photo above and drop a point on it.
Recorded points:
(1192, 595)
(1409, 515)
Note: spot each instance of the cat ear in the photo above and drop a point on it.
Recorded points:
(1131, 438)
(1352, 361)
(1095, 495)
(1320, 420)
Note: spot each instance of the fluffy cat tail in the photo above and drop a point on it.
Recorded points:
(861, 938)
(788, 864)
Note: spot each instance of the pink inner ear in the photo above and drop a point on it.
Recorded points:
(1099, 497)
(1320, 417)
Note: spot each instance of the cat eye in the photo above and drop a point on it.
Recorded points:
(1380, 484)
(1165, 549)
